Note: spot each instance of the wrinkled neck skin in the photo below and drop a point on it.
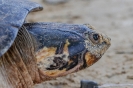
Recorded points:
(13, 72)
(18, 67)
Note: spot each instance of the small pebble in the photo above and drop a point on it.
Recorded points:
(130, 76)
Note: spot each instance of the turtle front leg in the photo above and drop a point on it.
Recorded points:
(13, 72)
(18, 67)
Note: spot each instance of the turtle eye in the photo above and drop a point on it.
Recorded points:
(95, 38)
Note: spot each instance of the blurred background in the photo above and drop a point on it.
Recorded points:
(111, 17)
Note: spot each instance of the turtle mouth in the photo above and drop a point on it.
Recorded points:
(73, 64)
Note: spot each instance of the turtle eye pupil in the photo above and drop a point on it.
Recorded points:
(95, 37)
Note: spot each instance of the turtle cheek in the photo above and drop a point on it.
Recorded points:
(89, 59)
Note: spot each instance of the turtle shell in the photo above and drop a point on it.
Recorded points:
(12, 17)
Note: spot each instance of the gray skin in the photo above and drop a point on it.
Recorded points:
(31, 53)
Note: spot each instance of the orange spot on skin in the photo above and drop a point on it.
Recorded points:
(90, 59)
(65, 50)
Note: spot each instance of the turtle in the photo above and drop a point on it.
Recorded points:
(32, 53)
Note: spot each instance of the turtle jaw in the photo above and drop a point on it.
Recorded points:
(89, 59)
(47, 75)
(74, 64)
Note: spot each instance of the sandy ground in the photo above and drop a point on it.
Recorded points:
(112, 17)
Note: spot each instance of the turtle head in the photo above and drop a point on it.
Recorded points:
(96, 45)
(86, 49)
(67, 51)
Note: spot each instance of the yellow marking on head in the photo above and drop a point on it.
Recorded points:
(66, 47)
(45, 53)
(90, 59)
(65, 50)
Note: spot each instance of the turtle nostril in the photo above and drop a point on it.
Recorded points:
(107, 41)
(104, 42)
